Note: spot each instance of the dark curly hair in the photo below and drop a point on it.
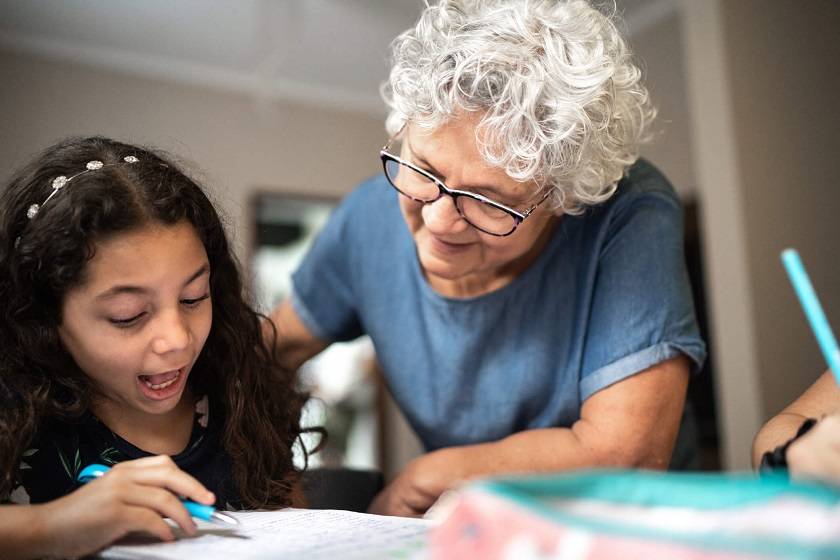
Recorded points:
(40, 259)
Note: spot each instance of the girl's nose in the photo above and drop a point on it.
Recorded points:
(172, 333)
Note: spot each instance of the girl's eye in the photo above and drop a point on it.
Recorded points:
(132, 321)
(125, 323)
(196, 301)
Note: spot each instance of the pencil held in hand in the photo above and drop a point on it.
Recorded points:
(813, 310)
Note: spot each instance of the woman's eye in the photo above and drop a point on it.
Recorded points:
(125, 323)
(495, 198)
(195, 301)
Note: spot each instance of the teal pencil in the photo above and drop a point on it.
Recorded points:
(813, 310)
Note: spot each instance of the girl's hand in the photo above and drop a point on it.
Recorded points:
(817, 453)
(131, 496)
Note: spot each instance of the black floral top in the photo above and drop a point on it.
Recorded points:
(49, 468)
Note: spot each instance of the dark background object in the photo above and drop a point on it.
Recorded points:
(701, 387)
(347, 489)
(278, 234)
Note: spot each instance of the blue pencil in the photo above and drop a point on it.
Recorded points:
(813, 310)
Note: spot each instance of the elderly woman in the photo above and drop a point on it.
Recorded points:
(519, 270)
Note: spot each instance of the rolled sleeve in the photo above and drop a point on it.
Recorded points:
(323, 287)
(642, 311)
(629, 366)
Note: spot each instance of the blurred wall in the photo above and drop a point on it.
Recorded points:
(785, 75)
(658, 48)
(236, 143)
(763, 76)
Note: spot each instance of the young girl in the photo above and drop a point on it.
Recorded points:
(126, 340)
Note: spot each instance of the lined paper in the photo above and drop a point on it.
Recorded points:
(291, 533)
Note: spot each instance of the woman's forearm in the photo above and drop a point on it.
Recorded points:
(556, 449)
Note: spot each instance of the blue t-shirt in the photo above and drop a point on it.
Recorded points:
(607, 298)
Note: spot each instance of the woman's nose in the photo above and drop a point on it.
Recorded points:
(442, 216)
(172, 333)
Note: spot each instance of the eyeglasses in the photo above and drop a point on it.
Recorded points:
(480, 212)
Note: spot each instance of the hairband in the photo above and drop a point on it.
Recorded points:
(61, 181)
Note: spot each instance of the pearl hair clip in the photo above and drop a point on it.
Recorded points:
(61, 181)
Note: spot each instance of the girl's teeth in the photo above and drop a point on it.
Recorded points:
(162, 385)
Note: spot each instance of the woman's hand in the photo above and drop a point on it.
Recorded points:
(131, 496)
(817, 453)
(420, 484)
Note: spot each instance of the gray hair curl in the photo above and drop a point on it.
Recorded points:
(563, 104)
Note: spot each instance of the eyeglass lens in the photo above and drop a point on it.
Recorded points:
(478, 213)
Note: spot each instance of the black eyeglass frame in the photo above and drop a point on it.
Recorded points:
(518, 217)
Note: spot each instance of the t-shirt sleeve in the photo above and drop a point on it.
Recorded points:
(641, 310)
(323, 293)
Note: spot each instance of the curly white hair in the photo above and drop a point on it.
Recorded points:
(562, 102)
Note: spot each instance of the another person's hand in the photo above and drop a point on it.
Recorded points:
(419, 485)
(816, 454)
(133, 496)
